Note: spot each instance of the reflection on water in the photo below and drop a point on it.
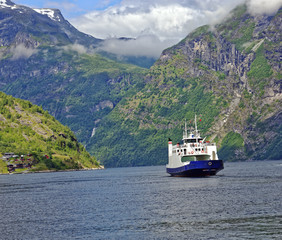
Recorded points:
(242, 202)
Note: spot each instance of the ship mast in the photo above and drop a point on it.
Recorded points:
(196, 129)
(185, 135)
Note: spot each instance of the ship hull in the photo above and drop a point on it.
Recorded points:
(197, 169)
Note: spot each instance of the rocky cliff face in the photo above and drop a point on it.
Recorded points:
(230, 51)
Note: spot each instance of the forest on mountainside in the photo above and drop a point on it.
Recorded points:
(45, 144)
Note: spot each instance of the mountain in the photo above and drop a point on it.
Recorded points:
(47, 61)
(36, 27)
(26, 129)
(228, 74)
(26, 29)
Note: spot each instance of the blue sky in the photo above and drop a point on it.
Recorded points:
(70, 8)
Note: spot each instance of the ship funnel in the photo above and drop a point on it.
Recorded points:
(169, 147)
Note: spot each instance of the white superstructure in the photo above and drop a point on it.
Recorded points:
(192, 148)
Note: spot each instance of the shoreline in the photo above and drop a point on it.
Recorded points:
(51, 171)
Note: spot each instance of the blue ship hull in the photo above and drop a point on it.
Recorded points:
(197, 169)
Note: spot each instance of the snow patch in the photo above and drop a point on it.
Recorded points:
(4, 4)
(49, 12)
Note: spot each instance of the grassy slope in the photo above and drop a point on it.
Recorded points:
(28, 129)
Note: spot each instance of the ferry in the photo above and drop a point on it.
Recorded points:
(193, 157)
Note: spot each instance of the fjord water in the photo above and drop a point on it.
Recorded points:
(242, 202)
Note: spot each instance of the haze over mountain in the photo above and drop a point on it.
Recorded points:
(229, 73)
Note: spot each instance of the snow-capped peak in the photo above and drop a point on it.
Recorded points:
(49, 12)
(7, 4)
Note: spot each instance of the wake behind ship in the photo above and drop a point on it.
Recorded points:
(194, 157)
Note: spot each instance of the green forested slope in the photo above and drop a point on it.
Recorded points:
(78, 89)
(28, 129)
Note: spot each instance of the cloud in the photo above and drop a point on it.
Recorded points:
(268, 7)
(20, 51)
(154, 24)
(145, 45)
(164, 18)
(75, 47)
(158, 24)
(132, 21)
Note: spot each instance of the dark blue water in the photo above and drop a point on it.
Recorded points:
(242, 202)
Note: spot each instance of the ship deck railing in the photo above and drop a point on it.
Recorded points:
(193, 145)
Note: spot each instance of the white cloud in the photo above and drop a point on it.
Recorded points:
(268, 7)
(145, 45)
(132, 21)
(75, 47)
(20, 51)
(155, 24)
